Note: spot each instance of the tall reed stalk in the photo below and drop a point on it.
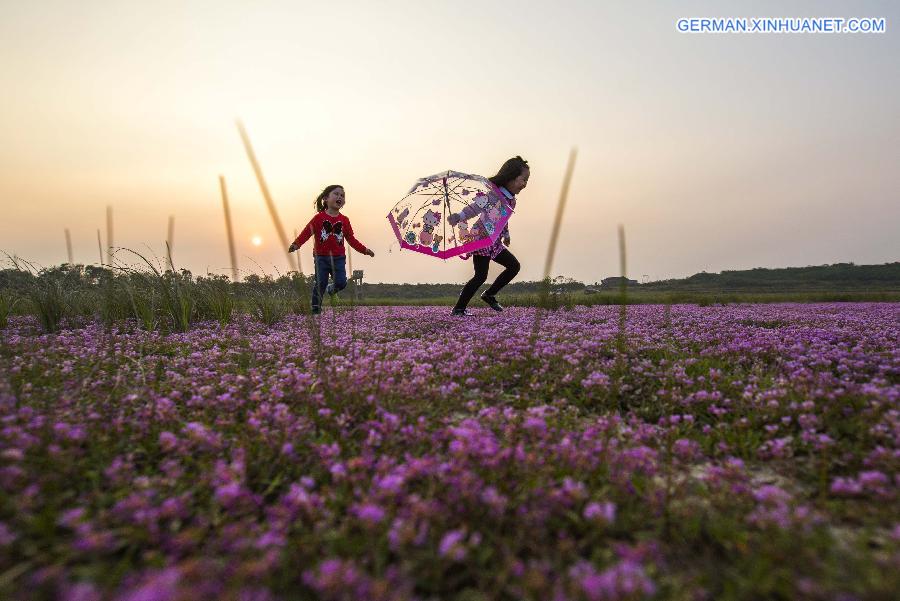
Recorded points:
(232, 253)
(109, 236)
(270, 204)
(170, 240)
(623, 290)
(544, 296)
(69, 254)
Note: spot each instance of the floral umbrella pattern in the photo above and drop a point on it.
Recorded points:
(420, 222)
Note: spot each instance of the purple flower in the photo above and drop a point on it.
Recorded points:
(452, 545)
(685, 449)
(770, 494)
(158, 586)
(168, 441)
(535, 424)
(392, 483)
(71, 517)
(873, 480)
(228, 493)
(82, 591)
(7, 536)
(271, 538)
(370, 513)
(596, 380)
(623, 580)
(605, 512)
(846, 487)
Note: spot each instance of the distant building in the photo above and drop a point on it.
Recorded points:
(356, 279)
(616, 282)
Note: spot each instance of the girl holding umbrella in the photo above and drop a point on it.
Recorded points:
(510, 179)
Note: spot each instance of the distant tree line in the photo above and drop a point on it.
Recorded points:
(837, 277)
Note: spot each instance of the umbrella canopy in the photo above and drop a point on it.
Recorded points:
(422, 219)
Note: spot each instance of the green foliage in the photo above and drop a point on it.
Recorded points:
(158, 298)
(8, 304)
(840, 277)
(114, 302)
(144, 301)
(176, 291)
(300, 292)
(51, 302)
(268, 304)
(178, 297)
(216, 300)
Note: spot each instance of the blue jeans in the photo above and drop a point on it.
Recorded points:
(336, 267)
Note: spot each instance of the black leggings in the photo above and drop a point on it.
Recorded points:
(505, 258)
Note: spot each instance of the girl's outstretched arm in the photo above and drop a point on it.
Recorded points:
(356, 244)
(464, 215)
(305, 234)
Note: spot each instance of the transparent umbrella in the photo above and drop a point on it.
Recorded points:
(422, 219)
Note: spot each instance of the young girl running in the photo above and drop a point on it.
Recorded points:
(511, 179)
(329, 228)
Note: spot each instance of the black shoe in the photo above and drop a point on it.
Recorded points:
(492, 302)
(460, 313)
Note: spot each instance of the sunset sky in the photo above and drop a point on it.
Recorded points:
(716, 151)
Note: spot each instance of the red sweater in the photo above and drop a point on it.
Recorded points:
(329, 233)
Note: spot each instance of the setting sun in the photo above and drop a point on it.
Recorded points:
(256, 240)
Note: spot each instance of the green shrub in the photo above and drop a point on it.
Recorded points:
(51, 302)
(215, 300)
(7, 304)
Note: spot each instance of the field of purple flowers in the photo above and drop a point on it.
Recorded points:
(387, 453)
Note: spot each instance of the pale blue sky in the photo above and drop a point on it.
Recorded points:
(715, 151)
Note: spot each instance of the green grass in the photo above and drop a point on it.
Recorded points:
(50, 302)
(8, 304)
(216, 300)
(175, 301)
